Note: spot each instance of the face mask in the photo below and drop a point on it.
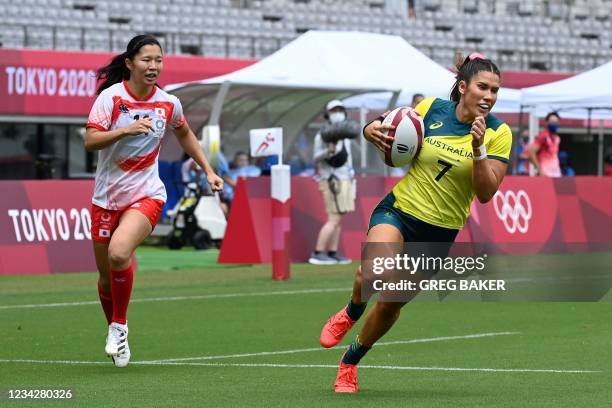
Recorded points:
(336, 117)
(553, 127)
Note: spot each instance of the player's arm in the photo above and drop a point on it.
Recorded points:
(487, 174)
(188, 141)
(98, 139)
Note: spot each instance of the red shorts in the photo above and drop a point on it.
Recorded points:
(104, 222)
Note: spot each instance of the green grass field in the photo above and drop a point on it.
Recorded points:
(204, 335)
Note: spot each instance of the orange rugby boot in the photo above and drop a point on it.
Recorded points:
(346, 380)
(336, 328)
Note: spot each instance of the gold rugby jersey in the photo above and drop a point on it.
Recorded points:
(438, 186)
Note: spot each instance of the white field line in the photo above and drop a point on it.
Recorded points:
(305, 350)
(177, 298)
(275, 365)
(385, 367)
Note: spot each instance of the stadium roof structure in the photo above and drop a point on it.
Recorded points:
(578, 97)
(290, 87)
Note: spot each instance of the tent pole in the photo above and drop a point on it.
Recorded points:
(215, 114)
(363, 114)
(600, 148)
(533, 131)
(589, 130)
(393, 100)
(518, 139)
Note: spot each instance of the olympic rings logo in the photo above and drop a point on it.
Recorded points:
(514, 210)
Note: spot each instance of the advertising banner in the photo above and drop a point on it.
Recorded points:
(527, 215)
(36, 82)
(45, 227)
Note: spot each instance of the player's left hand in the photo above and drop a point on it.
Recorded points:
(478, 130)
(215, 182)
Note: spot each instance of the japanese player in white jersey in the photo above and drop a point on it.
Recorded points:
(126, 125)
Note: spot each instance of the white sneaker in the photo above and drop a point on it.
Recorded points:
(322, 259)
(117, 337)
(122, 358)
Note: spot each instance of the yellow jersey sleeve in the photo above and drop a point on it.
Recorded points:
(500, 144)
(423, 107)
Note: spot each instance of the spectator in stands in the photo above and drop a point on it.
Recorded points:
(544, 151)
(188, 171)
(337, 185)
(522, 154)
(608, 163)
(564, 164)
(416, 99)
(192, 173)
(241, 167)
(266, 163)
(126, 125)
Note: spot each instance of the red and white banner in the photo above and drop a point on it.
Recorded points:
(45, 227)
(538, 211)
(34, 82)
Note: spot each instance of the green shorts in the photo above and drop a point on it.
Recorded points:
(412, 229)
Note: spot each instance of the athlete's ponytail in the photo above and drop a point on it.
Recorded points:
(116, 71)
(467, 68)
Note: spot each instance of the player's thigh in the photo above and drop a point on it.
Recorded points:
(385, 233)
(133, 228)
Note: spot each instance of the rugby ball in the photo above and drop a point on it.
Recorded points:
(407, 136)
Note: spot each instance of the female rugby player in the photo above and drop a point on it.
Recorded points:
(126, 124)
(464, 154)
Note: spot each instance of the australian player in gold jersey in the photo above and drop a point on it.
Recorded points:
(465, 153)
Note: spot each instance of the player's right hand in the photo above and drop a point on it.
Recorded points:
(377, 134)
(141, 126)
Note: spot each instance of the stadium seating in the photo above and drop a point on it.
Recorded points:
(557, 35)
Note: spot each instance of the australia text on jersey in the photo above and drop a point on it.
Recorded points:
(444, 146)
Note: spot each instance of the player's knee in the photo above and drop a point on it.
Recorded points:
(388, 310)
(118, 257)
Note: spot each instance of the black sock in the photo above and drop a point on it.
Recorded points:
(317, 252)
(331, 254)
(355, 352)
(355, 310)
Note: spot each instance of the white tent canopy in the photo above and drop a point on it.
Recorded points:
(332, 60)
(290, 87)
(574, 96)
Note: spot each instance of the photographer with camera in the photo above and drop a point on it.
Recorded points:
(332, 156)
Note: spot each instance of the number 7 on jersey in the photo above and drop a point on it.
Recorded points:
(446, 168)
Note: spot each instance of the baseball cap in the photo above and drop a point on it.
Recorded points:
(335, 103)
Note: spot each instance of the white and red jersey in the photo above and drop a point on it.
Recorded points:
(128, 170)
